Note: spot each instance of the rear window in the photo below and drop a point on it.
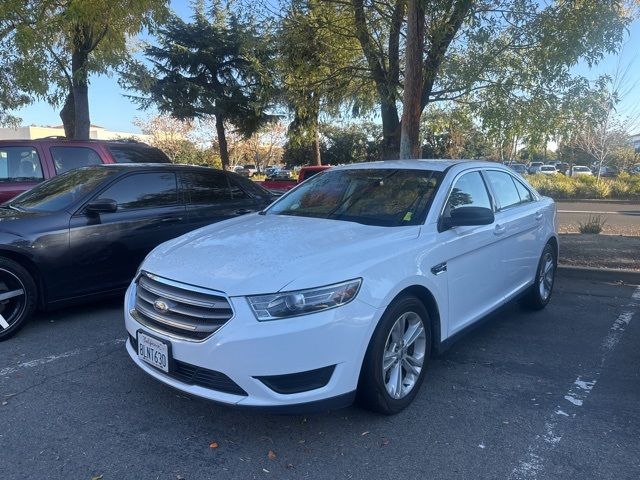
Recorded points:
(137, 154)
(70, 158)
(20, 164)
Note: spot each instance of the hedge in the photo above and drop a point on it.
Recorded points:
(624, 187)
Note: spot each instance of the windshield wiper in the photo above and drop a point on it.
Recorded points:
(13, 207)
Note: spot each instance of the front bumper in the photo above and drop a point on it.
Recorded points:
(244, 349)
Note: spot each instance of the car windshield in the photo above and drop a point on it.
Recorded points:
(384, 197)
(61, 191)
(548, 168)
(581, 169)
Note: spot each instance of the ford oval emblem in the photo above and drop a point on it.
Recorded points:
(161, 306)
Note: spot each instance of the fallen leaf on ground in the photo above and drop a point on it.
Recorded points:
(213, 445)
(265, 470)
(97, 477)
(271, 455)
(364, 433)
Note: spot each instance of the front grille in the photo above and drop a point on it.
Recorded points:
(202, 377)
(186, 313)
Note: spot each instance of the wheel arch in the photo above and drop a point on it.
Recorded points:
(553, 240)
(429, 301)
(28, 264)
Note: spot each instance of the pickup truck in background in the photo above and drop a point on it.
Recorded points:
(26, 163)
(280, 185)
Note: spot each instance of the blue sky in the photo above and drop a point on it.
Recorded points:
(110, 108)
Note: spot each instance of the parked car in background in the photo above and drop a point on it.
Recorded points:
(608, 171)
(520, 168)
(240, 170)
(385, 263)
(548, 170)
(561, 167)
(25, 163)
(534, 167)
(635, 170)
(578, 170)
(251, 169)
(271, 171)
(82, 234)
(282, 182)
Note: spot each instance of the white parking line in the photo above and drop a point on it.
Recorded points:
(52, 358)
(533, 463)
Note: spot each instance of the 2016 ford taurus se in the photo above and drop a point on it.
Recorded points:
(343, 287)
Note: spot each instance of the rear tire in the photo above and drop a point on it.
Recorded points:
(397, 357)
(18, 297)
(539, 294)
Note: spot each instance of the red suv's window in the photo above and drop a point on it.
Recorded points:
(68, 158)
(20, 164)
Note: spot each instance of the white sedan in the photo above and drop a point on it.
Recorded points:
(578, 170)
(370, 269)
(548, 170)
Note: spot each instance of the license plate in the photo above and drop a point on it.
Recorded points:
(153, 351)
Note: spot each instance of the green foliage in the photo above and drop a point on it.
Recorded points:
(37, 39)
(452, 133)
(215, 65)
(339, 145)
(561, 187)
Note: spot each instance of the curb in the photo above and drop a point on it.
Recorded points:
(600, 274)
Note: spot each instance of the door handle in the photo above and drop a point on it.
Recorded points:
(499, 230)
(538, 216)
(171, 220)
(243, 211)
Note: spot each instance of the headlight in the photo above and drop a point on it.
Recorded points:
(301, 302)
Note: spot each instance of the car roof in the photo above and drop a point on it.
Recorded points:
(128, 167)
(53, 139)
(431, 164)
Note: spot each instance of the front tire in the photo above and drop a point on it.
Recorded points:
(539, 294)
(18, 297)
(396, 359)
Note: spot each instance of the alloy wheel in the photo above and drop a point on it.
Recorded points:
(12, 299)
(546, 276)
(404, 355)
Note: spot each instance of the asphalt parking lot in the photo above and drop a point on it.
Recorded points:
(547, 395)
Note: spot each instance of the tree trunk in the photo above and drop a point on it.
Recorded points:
(67, 115)
(316, 159)
(413, 82)
(222, 142)
(390, 147)
(75, 112)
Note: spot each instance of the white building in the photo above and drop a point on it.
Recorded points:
(634, 140)
(96, 132)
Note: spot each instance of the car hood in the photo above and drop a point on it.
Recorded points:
(258, 254)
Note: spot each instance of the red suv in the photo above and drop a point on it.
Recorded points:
(25, 163)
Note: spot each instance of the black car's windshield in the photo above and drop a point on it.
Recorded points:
(61, 191)
(385, 197)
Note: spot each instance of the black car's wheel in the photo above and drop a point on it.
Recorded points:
(398, 354)
(18, 296)
(539, 294)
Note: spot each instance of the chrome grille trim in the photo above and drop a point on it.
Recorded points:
(190, 313)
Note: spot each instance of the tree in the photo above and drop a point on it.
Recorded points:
(473, 51)
(181, 140)
(215, 66)
(318, 61)
(452, 133)
(56, 45)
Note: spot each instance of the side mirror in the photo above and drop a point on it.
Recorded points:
(102, 205)
(468, 216)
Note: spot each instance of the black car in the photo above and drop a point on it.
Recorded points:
(83, 234)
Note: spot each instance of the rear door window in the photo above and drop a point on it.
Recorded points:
(70, 158)
(20, 164)
(206, 188)
(504, 189)
(143, 190)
